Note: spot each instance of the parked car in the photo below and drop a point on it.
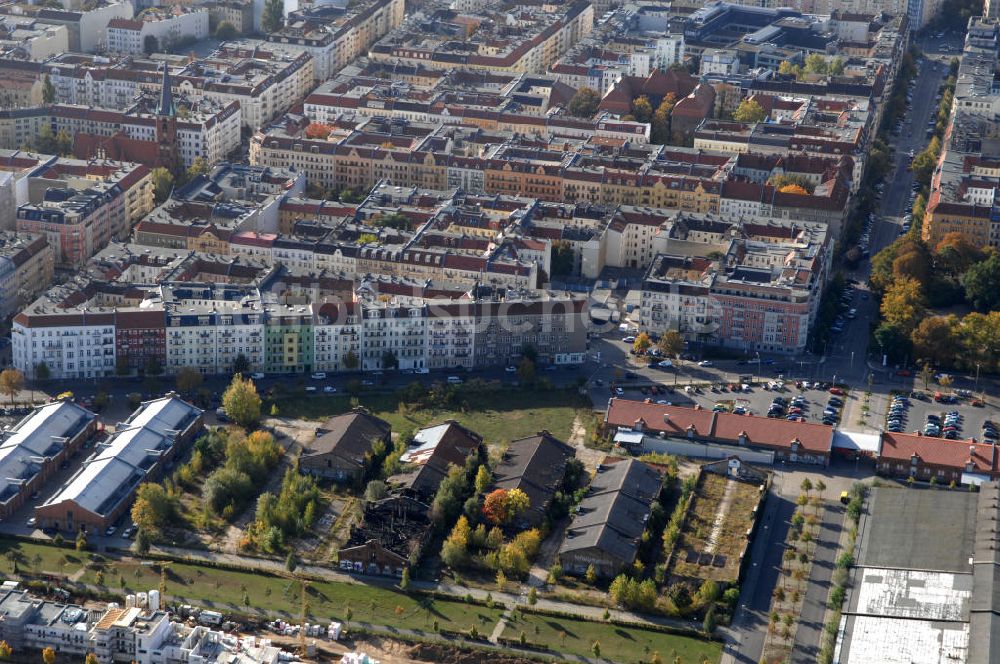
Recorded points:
(318, 375)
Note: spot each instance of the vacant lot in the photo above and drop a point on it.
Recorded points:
(715, 534)
(496, 416)
(618, 644)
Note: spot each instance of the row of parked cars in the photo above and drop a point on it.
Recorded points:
(991, 434)
(896, 419)
(833, 405)
(949, 428)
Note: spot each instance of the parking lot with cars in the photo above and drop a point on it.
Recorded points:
(809, 404)
(951, 417)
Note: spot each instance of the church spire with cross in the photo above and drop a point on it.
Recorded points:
(166, 107)
(166, 127)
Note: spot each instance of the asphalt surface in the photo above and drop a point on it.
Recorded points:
(749, 625)
(810, 628)
(846, 359)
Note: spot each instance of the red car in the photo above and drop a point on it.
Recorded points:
(906, 373)
(836, 390)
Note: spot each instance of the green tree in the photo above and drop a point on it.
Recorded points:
(11, 382)
(189, 380)
(789, 68)
(5, 650)
(526, 371)
(749, 111)
(483, 479)
(375, 491)
(274, 15)
(924, 163)
(48, 91)
(584, 103)
(404, 582)
(502, 506)
(226, 31)
(903, 304)
(671, 344)
(836, 67)
(591, 574)
(198, 167)
(241, 401)
(150, 44)
(48, 656)
(935, 339)
(64, 143)
(642, 110)
(351, 360)
(816, 64)
(660, 130)
(563, 262)
(163, 184)
(982, 284)
(42, 372)
(389, 360)
(153, 367)
(709, 623)
(153, 508)
(642, 343)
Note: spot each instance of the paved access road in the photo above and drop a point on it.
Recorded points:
(810, 628)
(749, 625)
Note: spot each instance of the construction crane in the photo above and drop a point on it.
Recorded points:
(303, 605)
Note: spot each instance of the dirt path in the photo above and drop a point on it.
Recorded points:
(720, 517)
(578, 439)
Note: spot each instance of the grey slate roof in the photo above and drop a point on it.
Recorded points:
(613, 515)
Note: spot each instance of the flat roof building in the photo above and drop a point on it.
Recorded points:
(924, 587)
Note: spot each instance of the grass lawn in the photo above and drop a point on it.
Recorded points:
(39, 558)
(496, 416)
(729, 536)
(619, 644)
(223, 591)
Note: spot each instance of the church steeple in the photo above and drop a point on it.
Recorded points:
(166, 127)
(166, 107)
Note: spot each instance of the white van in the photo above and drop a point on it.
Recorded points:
(454, 380)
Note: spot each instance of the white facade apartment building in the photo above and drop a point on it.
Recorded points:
(334, 37)
(77, 347)
(397, 329)
(38, 40)
(336, 335)
(266, 84)
(26, 269)
(450, 341)
(128, 36)
(209, 334)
